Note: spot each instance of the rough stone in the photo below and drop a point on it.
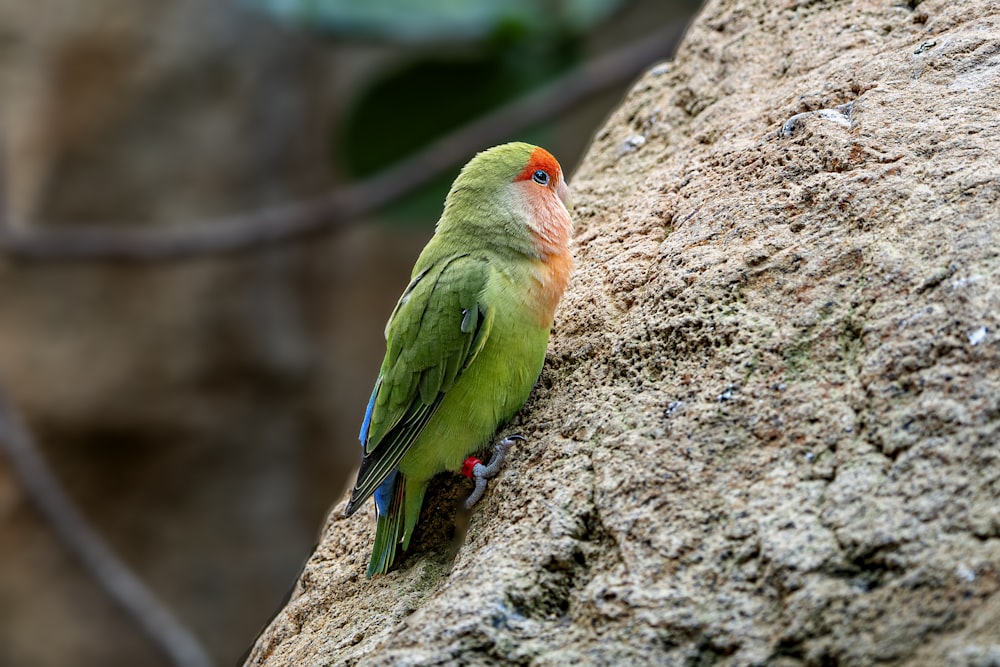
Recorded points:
(766, 432)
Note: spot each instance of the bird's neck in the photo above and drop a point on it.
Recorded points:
(551, 228)
(552, 275)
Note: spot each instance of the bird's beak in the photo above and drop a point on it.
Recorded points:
(563, 191)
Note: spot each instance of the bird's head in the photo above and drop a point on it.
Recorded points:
(516, 190)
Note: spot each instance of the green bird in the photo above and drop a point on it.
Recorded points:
(466, 341)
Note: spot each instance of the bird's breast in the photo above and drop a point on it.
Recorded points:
(552, 277)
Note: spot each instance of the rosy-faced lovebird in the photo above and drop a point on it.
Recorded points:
(466, 341)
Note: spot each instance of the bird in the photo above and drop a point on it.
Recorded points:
(466, 341)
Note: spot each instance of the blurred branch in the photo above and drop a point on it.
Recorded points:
(139, 602)
(321, 215)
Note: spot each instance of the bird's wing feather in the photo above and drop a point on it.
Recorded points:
(436, 330)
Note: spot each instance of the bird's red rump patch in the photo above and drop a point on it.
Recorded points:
(540, 159)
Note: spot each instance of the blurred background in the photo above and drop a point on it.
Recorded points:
(202, 414)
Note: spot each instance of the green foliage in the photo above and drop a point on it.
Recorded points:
(437, 20)
(468, 58)
(409, 107)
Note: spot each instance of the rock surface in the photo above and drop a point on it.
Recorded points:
(767, 428)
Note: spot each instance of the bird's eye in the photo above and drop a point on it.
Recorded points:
(541, 177)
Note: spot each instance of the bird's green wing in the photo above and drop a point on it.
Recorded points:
(438, 327)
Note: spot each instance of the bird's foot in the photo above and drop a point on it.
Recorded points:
(480, 472)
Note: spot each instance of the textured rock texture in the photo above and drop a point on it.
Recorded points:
(767, 428)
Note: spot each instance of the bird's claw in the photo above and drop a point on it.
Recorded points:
(480, 472)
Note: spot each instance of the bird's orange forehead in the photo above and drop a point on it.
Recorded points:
(540, 159)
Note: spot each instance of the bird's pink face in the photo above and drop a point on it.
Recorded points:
(544, 170)
(545, 196)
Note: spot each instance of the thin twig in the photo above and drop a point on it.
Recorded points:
(337, 209)
(114, 576)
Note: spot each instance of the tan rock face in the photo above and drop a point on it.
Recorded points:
(767, 429)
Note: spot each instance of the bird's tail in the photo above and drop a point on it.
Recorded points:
(389, 524)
